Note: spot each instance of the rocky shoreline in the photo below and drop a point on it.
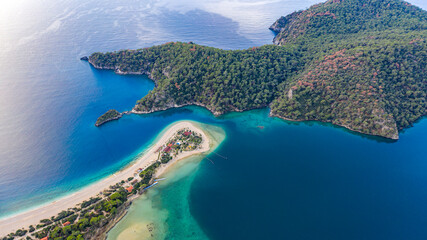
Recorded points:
(110, 115)
(394, 137)
(108, 120)
(276, 28)
(116, 70)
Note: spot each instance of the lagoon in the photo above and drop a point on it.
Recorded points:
(287, 180)
(298, 181)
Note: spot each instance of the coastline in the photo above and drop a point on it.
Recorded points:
(33, 216)
(151, 221)
(394, 138)
(271, 114)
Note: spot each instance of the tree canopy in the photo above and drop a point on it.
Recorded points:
(360, 64)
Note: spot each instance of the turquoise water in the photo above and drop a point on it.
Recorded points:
(288, 180)
(294, 180)
(309, 181)
(49, 99)
(171, 218)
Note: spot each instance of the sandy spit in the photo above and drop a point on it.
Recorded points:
(32, 217)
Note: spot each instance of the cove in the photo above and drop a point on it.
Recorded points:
(298, 181)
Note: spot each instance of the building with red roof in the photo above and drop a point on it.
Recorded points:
(66, 224)
(45, 238)
(187, 133)
(167, 149)
(129, 189)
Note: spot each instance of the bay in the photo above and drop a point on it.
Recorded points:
(288, 180)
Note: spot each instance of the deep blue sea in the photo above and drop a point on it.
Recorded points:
(286, 181)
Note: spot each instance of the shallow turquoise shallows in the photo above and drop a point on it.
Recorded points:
(283, 181)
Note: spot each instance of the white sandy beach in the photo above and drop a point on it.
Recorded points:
(33, 217)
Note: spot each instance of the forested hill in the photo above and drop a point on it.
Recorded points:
(220, 80)
(369, 69)
(344, 19)
(356, 63)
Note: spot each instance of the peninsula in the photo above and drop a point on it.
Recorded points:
(354, 63)
(90, 212)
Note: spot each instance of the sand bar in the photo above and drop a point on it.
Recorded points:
(33, 216)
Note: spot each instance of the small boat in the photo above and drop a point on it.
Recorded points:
(160, 179)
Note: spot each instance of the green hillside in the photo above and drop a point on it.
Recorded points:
(355, 63)
(369, 69)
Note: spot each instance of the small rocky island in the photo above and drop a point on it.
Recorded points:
(110, 115)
